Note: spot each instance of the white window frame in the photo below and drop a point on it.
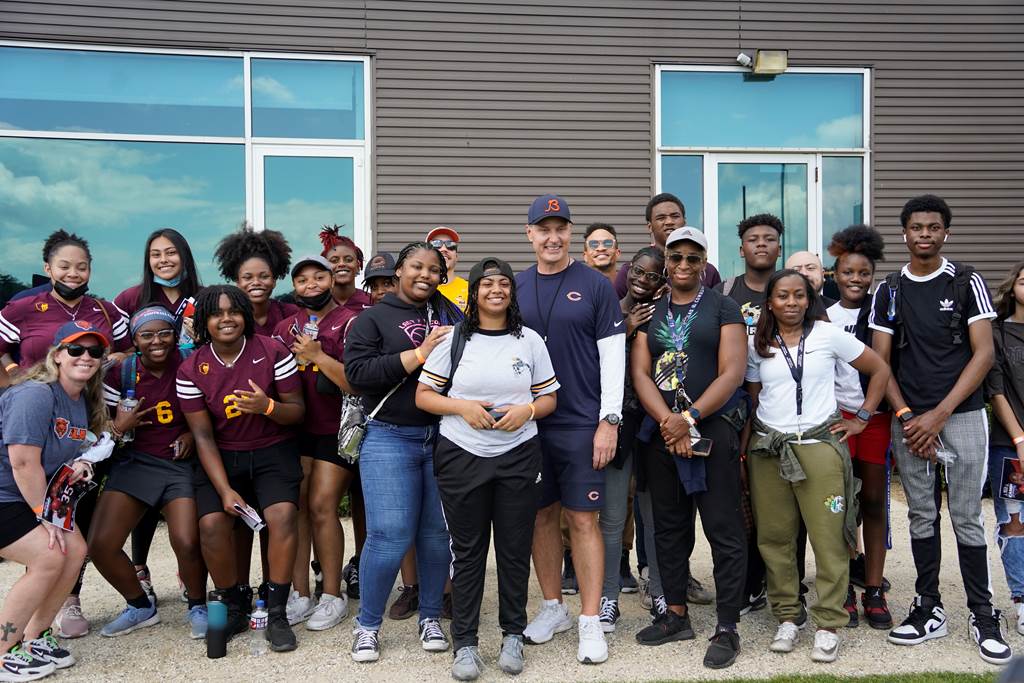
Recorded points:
(361, 149)
(711, 154)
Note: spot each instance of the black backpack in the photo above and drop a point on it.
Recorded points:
(458, 346)
(961, 293)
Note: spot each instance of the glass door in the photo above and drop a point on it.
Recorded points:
(299, 189)
(743, 185)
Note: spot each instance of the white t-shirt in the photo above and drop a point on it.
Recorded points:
(777, 402)
(495, 367)
(849, 393)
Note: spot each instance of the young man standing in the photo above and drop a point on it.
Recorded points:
(601, 249)
(935, 317)
(576, 312)
(456, 289)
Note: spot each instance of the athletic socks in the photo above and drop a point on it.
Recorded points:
(277, 594)
(141, 602)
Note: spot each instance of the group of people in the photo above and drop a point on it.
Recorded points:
(562, 401)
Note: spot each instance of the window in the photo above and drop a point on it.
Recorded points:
(113, 144)
(732, 145)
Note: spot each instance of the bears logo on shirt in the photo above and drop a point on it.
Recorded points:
(573, 296)
(60, 427)
(42, 306)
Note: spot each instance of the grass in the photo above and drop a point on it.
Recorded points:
(939, 677)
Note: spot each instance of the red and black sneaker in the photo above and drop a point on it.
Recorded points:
(875, 608)
(851, 607)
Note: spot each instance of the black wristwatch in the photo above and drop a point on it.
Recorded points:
(905, 417)
(612, 419)
(694, 413)
(863, 415)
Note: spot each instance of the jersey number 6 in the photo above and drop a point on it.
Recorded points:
(163, 412)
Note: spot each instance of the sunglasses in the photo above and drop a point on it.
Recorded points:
(76, 350)
(162, 335)
(648, 275)
(450, 245)
(691, 259)
(594, 244)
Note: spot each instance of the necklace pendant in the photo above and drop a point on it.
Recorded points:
(800, 437)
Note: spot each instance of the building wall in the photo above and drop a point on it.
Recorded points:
(481, 105)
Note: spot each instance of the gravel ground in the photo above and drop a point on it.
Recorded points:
(165, 652)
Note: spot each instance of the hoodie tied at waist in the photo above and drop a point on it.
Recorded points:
(766, 442)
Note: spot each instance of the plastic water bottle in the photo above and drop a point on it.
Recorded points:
(258, 629)
(127, 405)
(311, 329)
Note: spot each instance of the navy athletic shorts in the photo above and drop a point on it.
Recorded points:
(568, 472)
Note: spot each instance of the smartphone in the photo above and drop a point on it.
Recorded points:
(701, 448)
(496, 413)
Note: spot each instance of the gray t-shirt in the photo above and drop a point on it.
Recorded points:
(39, 414)
(495, 367)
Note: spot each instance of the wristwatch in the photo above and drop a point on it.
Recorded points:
(863, 415)
(612, 419)
(905, 417)
(694, 413)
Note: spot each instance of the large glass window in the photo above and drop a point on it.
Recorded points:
(120, 92)
(683, 176)
(302, 194)
(307, 99)
(842, 192)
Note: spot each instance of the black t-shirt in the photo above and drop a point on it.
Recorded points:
(930, 363)
(700, 353)
(749, 300)
(1007, 376)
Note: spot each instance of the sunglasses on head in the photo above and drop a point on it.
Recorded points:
(607, 244)
(691, 259)
(450, 245)
(648, 275)
(76, 350)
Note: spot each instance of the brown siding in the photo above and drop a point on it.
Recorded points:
(481, 105)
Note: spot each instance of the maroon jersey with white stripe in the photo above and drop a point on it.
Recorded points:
(204, 381)
(32, 321)
(130, 301)
(277, 312)
(168, 421)
(323, 411)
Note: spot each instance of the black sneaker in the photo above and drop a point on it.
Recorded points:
(263, 591)
(876, 611)
(925, 622)
(666, 628)
(723, 650)
(858, 574)
(851, 607)
(246, 598)
(658, 606)
(627, 582)
(318, 580)
(756, 602)
(987, 631)
(350, 572)
(279, 632)
(569, 584)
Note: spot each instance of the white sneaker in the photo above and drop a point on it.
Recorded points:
(299, 608)
(592, 649)
(785, 637)
(550, 620)
(826, 646)
(432, 636)
(328, 613)
(1019, 606)
(609, 614)
(646, 601)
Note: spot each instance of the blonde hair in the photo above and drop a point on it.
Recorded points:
(47, 371)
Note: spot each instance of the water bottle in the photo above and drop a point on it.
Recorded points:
(127, 405)
(258, 629)
(217, 624)
(311, 329)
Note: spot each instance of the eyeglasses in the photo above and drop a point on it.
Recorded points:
(648, 275)
(162, 335)
(76, 350)
(691, 259)
(450, 245)
(594, 244)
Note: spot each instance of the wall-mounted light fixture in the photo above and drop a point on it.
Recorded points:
(771, 61)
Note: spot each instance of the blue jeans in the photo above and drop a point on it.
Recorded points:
(1011, 548)
(403, 506)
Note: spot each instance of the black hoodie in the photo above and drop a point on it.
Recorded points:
(373, 364)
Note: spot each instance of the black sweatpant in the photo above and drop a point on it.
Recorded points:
(720, 515)
(477, 492)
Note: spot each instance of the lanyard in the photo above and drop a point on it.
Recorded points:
(551, 306)
(680, 340)
(795, 369)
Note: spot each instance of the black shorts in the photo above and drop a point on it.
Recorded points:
(262, 477)
(16, 521)
(154, 481)
(322, 447)
(568, 470)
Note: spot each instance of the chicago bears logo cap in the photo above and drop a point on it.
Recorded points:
(76, 329)
(546, 206)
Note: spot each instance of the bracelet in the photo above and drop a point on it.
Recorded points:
(902, 411)
(8, 368)
(533, 416)
(270, 407)
(1018, 441)
(38, 510)
(419, 356)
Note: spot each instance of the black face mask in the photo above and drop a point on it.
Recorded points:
(314, 303)
(69, 293)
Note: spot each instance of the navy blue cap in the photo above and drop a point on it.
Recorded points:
(76, 329)
(546, 206)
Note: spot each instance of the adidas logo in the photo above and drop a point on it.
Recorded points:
(946, 305)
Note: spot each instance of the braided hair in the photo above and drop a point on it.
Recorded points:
(513, 316)
(447, 312)
(208, 303)
(331, 237)
(246, 243)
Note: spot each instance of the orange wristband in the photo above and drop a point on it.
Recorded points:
(419, 356)
(270, 407)
(533, 412)
(903, 411)
(38, 510)
(1018, 441)
(10, 367)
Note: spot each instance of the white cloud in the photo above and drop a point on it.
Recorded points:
(273, 89)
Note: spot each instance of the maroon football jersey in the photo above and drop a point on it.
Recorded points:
(277, 312)
(168, 421)
(204, 381)
(32, 321)
(323, 411)
(128, 300)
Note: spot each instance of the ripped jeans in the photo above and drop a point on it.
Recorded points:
(1011, 548)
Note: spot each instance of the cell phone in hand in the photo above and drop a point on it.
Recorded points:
(497, 413)
(701, 448)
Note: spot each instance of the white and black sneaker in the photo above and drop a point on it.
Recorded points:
(923, 623)
(659, 606)
(756, 602)
(18, 664)
(609, 614)
(46, 648)
(987, 631)
(365, 644)
(432, 636)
